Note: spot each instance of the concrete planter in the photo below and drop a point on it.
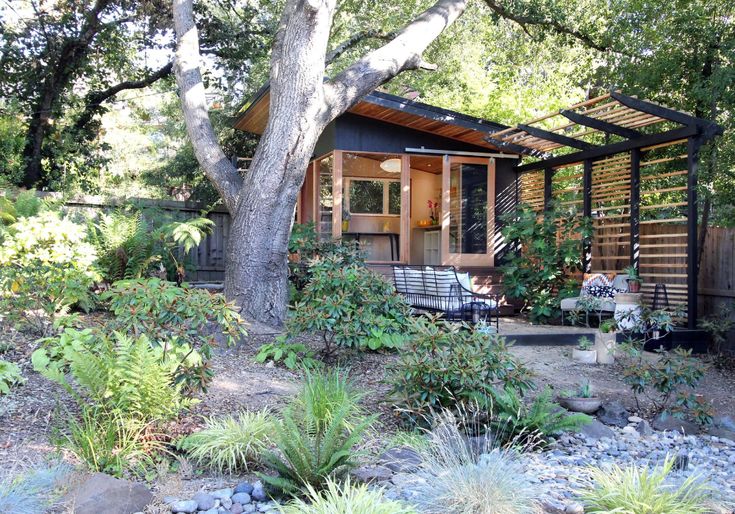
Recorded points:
(605, 344)
(585, 405)
(584, 356)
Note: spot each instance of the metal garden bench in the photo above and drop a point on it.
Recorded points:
(442, 289)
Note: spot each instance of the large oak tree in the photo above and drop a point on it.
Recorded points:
(302, 103)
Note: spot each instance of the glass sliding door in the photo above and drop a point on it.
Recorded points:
(468, 206)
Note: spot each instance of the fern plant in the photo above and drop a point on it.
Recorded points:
(229, 444)
(316, 435)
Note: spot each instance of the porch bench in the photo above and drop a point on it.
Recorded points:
(442, 289)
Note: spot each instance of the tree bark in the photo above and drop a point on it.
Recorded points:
(301, 105)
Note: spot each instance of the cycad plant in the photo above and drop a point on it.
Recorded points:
(634, 490)
(316, 434)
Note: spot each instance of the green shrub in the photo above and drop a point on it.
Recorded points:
(634, 490)
(46, 268)
(462, 478)
(444, 365)
(349, 306)
(338, 498)
(117, 373)
(316, 434)
(290, 354)
(9, 376)
(33, 491)
(669, 382)
(550, 249)
(183, 322)
(130, 243)
(529, 424)
(228, 444)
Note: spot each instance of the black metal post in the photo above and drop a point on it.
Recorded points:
(587, 213)
(548, 174)
(635, 207)
(693, 146)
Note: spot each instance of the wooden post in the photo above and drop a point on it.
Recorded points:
(337, 195)
(548, 175)
(587, 213)
(635, 207)
(693, 146)
(405, 230)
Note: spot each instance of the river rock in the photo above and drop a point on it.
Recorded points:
(596, 430)
(204, 501)
(613, 413)
(401, 460)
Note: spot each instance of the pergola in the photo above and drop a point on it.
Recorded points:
(621, 161)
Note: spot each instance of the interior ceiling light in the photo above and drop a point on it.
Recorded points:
(391, 165)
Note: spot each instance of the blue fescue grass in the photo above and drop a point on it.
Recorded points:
(31, 492)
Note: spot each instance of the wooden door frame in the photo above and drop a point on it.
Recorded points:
(458, 259)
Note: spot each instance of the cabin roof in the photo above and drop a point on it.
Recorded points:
(390, 109)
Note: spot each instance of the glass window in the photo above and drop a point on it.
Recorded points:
(468, 206)
(394, 198)
(366, 196)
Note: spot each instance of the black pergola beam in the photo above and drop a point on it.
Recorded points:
(693, 146)
(515, 148)
(556, 138)
(600, 125)
(635, 207)
(587, 212)
(548, 197)
(611, 149)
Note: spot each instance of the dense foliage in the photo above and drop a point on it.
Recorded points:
(549, 249)
(444, 365)
(10, 376)
(349, 306)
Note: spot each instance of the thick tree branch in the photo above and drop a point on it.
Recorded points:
(96, 98)
(356, 39)
(403, 52)
(215, 164)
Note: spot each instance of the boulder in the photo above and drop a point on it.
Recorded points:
(613, 413)
(401, 460)
(664, 422)
(368, 474)
(644, 428)
(104, 493)
(596, 430)
(241, 498)
(204, 501)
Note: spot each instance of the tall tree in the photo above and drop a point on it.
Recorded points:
(302, 103)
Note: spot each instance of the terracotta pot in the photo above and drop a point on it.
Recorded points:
(584, 356)
(585, 405)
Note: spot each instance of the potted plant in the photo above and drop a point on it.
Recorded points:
(606, 339)
(581, 400)
(583, 352)
(634, 280)
(346, 220)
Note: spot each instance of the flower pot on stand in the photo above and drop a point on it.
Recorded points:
(584, 356)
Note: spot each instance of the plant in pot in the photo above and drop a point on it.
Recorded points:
(581, 400)
(584, 352)
(606, 339)
(634, 280)
(346, 216)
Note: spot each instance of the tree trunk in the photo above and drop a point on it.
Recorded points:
(301, 105)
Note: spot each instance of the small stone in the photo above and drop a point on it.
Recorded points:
(213, 510)
(220, 494)
(634, 419)
(185, 506)
(631, 431)
(204, 501)
(249, 508)
(236, 508)
(241, 498)
(644, 428)
(613, 413)
(574, 508)
(244, 487)
(226, 502)
(258, 493)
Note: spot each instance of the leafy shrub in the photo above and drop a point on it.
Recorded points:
(461, 478)
(9, 376)
(291, 354)
(550, 249)
(445, 364)
(349, 306)
(343, 498)
(118, 373)
(515, 421)
(670, 381)
(228, 444)
(130, 243)
(46, 267)
(646, 490)
(718, 325)
(183, 322)
(316, 434)
(31, 492)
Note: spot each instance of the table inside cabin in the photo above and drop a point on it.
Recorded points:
(393, 237)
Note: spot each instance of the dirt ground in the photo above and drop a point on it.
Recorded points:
(29, 414)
